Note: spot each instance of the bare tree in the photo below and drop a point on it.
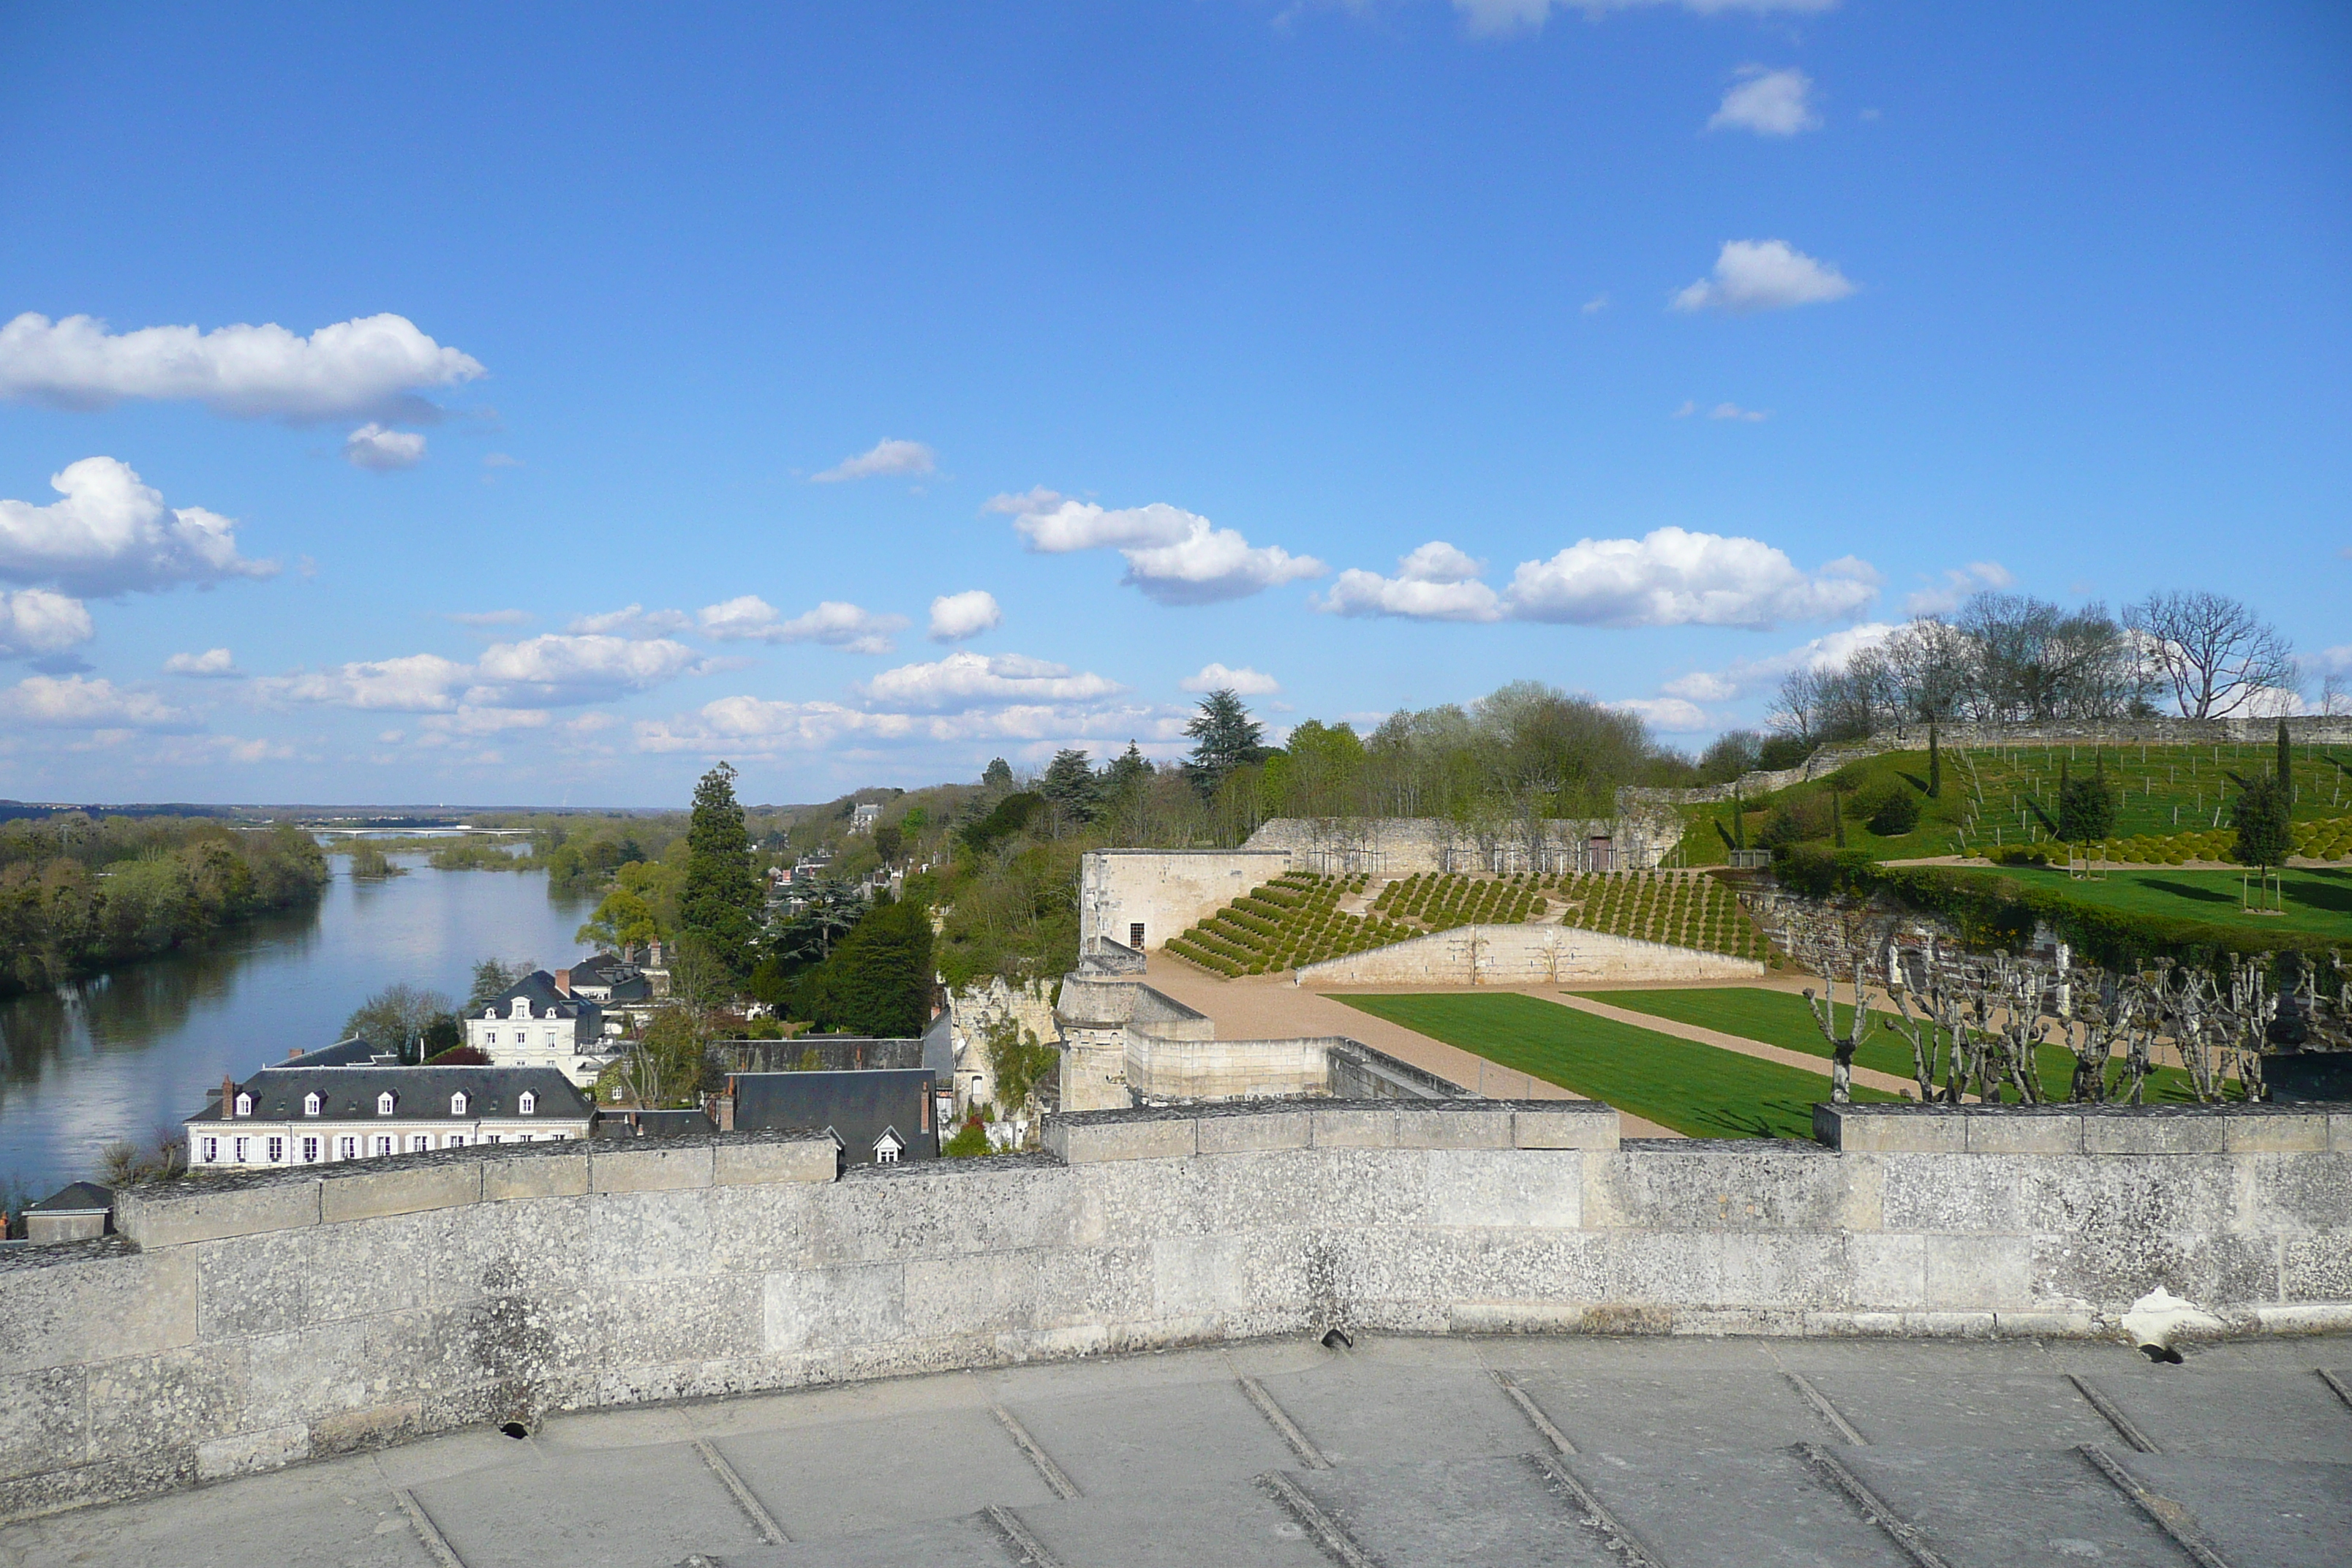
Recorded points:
(2214, 652)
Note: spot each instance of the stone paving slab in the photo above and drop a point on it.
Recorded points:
(851, 1476)
(2051, 1506)
(1759, 1507)
(1495, 1512)
(1233, 1524)
(1155, 1440)
(2245, 1415)
(622, 1507)
(2275, 1515)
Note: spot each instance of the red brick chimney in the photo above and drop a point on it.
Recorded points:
(563, 982)
(228, 1097)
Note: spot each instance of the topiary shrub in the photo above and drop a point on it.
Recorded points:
(1892, 809)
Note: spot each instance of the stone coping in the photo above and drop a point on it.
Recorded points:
(208, 1207)
(1235, 1127)
(2084, 1129)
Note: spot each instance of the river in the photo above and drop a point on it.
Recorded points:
(120, 1055)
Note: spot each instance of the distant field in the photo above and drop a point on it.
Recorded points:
(1781, 1019)
(1699, 1090)
(2317, 901)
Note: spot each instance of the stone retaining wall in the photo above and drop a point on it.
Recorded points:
(255, 1320)
(1524, 956)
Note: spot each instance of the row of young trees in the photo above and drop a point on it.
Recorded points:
(2006, 656)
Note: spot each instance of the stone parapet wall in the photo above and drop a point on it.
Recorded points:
(262, 1320)
(1524, 956)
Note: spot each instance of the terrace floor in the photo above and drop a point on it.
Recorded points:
(1604, 1452)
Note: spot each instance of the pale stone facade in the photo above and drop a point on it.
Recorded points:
(1524, 956)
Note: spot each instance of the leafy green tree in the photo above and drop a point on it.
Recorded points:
(622, 918)
(1071, 786)
(879, 979)
(2086, 806)
(722, 902)
(887, 841)
(1017, 1060)
(1224, 737)
(2261, 815)
(969, 1142)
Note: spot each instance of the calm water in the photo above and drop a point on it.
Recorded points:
(120, 1055)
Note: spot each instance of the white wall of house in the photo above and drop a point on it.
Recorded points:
(247, 1142)
(517, 1038)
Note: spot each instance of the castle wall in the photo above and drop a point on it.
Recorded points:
(1524, 956)
(1163, 890)
(258, 1321)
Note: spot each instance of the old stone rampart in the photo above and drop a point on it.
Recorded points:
(1524, 956)
(250, 1321)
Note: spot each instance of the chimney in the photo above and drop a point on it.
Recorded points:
(229, 1096)
(292, 1052)
(726, 1106)
(563, 982)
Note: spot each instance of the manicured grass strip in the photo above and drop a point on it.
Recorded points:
(1700, 1090)
(2317, 901)
(1781, 1019)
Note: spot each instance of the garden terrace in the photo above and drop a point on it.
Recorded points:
(1290, 921)
(1681, 909)
(1443, 900)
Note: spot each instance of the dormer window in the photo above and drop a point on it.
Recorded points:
(457, 1103)
(245, 1105)
(491, 1011)
(309, 1105)
(522, 1007)
(527, 1105)
(384, 1103)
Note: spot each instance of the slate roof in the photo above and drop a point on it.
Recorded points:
(835, 1053)
(652, 1124)
(856, 1107)
(539, 986)
(420, 1094)
(75, 1197)
(353, 1051)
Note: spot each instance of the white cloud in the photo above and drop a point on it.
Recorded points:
(494, 617)
(1597, 304)
(1244, 683)
(370, 365)
(957, 616)
(214, 664)
(884, 457)
(1671, 577)
(1959, 583)
(1701, 686)
(832, 623)
(35, 621)
(1434, 582)
(629, 621)
(565, 670)
(1745, 676)
(1174, 556)
(416, 683)
(965, 681)
(1733, 411)
(380, 450)
(112, 534)
(1671, 715)
(471, 721)
(1753, 275)
(1497, 18)
(1768, 102)
(1667, 578)
(71, 702)
(753, 726)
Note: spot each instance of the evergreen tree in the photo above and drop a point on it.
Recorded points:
(1126, 771)
(879, 980)
(1224, 737)
(2285, 763)
(2086, 807)
(998, 775)
(721, 902)
(1071, 785)
(2261, 815)
(1935, 764)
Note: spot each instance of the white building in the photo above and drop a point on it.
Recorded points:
(862, 818)
(536, 1022)
(296, 1115)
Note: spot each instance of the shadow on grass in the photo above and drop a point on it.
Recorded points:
(2190, 891)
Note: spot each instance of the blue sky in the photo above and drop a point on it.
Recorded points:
(1380, 353)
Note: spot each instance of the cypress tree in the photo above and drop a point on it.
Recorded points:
(2285, 763)
(1739, 821)
(1935, 764)
(1837, 815)
(722, 902)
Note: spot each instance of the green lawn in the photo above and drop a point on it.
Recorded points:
(1700, 1090)
(1781, 1019)
(2318, 902)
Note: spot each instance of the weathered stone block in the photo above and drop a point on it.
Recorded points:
(252, 1284)
(1952, 1191)
(823, 1308)
(2034, 1132)
(1159, 1138)
(1576, 1124)
(248, 1452)
(1890, 1129)
(1453, 1129)
(165, 1401)
(1887, 1272)
(2339, 1130)
(2121, 1132)
(666, 1169)
(184, 1211)
(399, 1190)
(1473, 1187)
(1353, 1127)
(1979, 1273)
(2279, 1131)
(1260, 1131)
(561, 1176)
(44, 1421)
(801, 1160)
(95, 1310)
